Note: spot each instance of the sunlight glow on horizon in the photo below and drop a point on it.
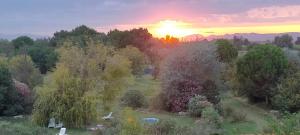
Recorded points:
(173, 28)
(181, 29)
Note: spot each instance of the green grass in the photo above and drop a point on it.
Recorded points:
(24, 126)
(147, 85)
(256, 116)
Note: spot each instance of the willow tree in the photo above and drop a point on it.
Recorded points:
(84, 79)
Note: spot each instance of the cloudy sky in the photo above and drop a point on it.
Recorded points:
(44, 17)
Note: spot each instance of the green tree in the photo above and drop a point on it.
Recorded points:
(297, 42)
(6, 48)
(43, 56)
(22, 41)
(10, 103)
(284, 41)
(136, 57)
(80, 36)
(23, 70)
(260, 70)
(226, 52)
(138, 38)
(86, 81)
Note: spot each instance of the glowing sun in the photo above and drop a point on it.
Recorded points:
(173, 28)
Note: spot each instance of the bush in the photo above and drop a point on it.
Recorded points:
(287, 96)
(238, 116)
(260, 70)
(133, 98)
(130, 123)
(197, 104)
(288, 125)
(185, 73)
(212, 116)
(203, 127)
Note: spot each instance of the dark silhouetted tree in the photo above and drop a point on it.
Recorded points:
(284, 41)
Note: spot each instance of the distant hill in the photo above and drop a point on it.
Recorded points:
(13, 36)
(250, 36)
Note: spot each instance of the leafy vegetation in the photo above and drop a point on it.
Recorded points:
(260, 70)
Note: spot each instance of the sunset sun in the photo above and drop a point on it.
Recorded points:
(173, 28)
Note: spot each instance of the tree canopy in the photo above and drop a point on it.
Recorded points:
(260, 70)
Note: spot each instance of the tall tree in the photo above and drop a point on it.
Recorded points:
(22, 41)
(297, 42)
(80, 36)
(10, 103)
(284, 41)
(260, 70)
(43, 56)
(84, 82)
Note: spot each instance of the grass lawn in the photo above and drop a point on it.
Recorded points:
(256, 117)
(24, 126)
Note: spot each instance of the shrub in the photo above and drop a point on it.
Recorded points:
(287, 97)
(238, 116)
(212, 116)
(288, 125)
(197, 104)
(260, 70)
(185, 72)
(133, 98)
(130, 123)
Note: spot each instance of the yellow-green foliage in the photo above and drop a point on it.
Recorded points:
(83, 78)
(130, 123)
(136, 57)
(24, 70)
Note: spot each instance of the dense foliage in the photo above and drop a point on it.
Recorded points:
(136, 57)
(187, 72)
(83, 79)
(42, 55)
(287, 97)
(80, 36)
(260, 70)
(22, 41)
(10, 100)
(197, 104)
(226, 52)
(133, 98)
(24, 70)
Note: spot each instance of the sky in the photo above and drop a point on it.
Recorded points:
(206, 17)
